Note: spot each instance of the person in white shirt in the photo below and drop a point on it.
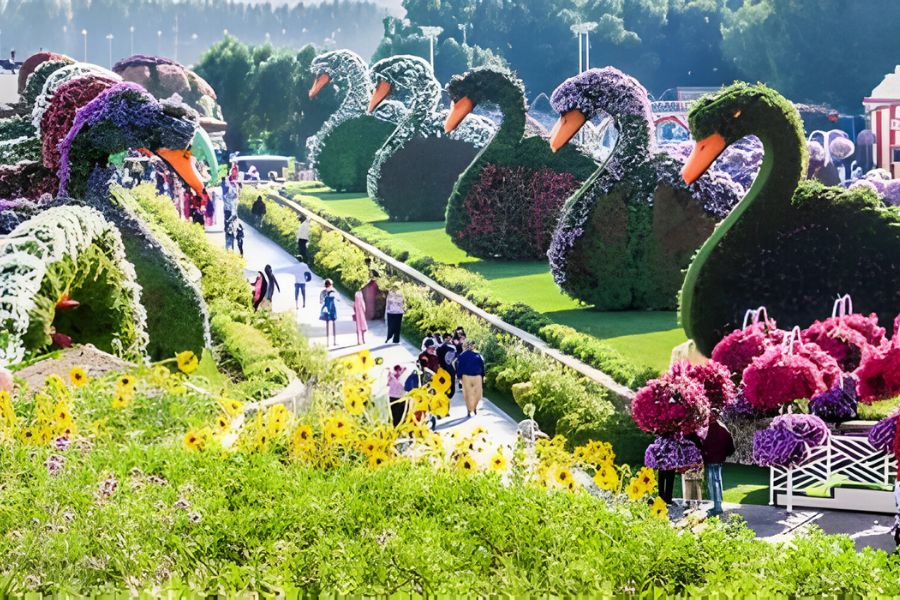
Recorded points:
(302, 236)
(302, 275)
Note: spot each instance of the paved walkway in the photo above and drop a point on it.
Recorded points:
(261, 251)
(769, 522)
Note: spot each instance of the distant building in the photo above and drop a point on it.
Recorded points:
(882, 109)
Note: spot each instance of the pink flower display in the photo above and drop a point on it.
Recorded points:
(716, 381)
(879, 370)
(674, 403)
(778, 377)
(738, 349)
(845, 338)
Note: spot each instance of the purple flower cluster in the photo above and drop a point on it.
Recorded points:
(779, 447)
(882, 435)
(838, 403)
(55, 464)
(841, 148)
(811, 428)
(107, 487)
(672, 454)
(142, 60)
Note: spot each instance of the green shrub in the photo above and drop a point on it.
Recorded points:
(349, 150)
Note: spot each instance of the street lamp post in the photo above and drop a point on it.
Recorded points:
(463, 27)
(158, 42)
(131, 32)
(84, 35)
(431, 33)
(109, 39)
(584, 51)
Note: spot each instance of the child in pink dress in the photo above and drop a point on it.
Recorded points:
(359, 316)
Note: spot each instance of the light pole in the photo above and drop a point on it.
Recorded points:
(584, 51)
(84, 35)
(158, 42)
(176, 39)
(109, 39)
(431, 33)
(463, 27)
(131, 33)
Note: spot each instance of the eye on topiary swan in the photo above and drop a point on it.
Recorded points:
(507, 202)
(624, 238)
(789, 247)
(344, 147)
(414, 172)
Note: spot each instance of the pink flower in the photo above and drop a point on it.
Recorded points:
(674, 403)
(778, 377)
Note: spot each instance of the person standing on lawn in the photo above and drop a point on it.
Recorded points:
(470, 368)
(302, 236)
(393, 310)
(717, 447)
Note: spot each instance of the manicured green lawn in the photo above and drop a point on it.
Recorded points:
(647, 338)
(743, 484)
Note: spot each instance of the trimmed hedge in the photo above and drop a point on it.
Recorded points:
(348, 150)
(789, 248)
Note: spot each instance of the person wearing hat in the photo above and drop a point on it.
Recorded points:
(429, 359)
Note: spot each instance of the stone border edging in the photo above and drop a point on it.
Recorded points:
(530, 340)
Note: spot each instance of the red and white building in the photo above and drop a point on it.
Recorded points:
(883, 118)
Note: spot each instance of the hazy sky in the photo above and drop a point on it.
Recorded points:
(393, 5)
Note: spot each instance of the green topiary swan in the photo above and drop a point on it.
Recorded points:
(414, 172)
(344, 147)
(791, 248)
(507, 202)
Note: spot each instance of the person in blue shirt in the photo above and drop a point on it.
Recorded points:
(470, 368)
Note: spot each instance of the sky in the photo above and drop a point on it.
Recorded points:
(395, 6)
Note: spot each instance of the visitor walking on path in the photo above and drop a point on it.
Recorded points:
(259, 290)
(394, 309)
(447, 355)
(229, 233)
(717, 446)
(470, 367)
(272, 285)
(258, 210)
(359, 318)
(302, 275)
(371, 294)
(328, 313)
(239, 236)
(302, 236)
(396, 393)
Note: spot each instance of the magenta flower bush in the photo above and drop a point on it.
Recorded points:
(778, 377)
(845, 338)
(879, 369)
(715, 379)
(673, 404)
(884, 434)
(738, 349)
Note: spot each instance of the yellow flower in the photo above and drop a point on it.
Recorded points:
(634, 489)
(223, 423)
(231, 407)
(441, 381)
(44, 435)
(276, 417)
(61, 413)
(121, 398)
(378, 459)
(354, 405)
(303, 435)
(498, 461)
(606, 478)
(28, 436)
(7, 413)
(647, 478)
(421, 399)
(439, 405)
(194, 440)
(466, 463)
(563, 476)
(187, 362)
(77, 376)
(126, 382)
(659, 509)
(336, 427)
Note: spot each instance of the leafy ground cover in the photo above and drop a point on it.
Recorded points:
(646, 338)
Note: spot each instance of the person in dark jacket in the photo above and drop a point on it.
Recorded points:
(717, 446)
(470, 368)
(447, 356)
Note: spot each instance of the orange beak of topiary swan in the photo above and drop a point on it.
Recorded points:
(180, 161)
(702, 157)
(382, 91)
(459, 111)
(565, 129)
(320, 82)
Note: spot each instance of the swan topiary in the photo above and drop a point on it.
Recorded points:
(414, 172)
(507, 202)
(625, 237)
(789, 245)
(344, 147)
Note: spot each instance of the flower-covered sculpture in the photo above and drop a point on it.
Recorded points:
(673, 404)
(672, 454)
(414, 172)
(883, 436)
(716, 381)
(768, 250)
(838, 403)
(779, 447)
(68, 250)
(624, 238)
(738, 349)
(778, 377)
(810, 428)
(344, 147)
(879, 369)
(507, 202)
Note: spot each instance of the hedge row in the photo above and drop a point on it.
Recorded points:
(252, 344)
(473, 286)
(563, 401)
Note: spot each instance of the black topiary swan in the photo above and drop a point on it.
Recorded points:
(790, 247)
(507, 203)
(414, 172)
(625, 237)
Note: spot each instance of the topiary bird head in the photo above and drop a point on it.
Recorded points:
(719, 120)
(581, 98)
(407, 74)
(338, 66)
(125, 116)
(488, 84)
